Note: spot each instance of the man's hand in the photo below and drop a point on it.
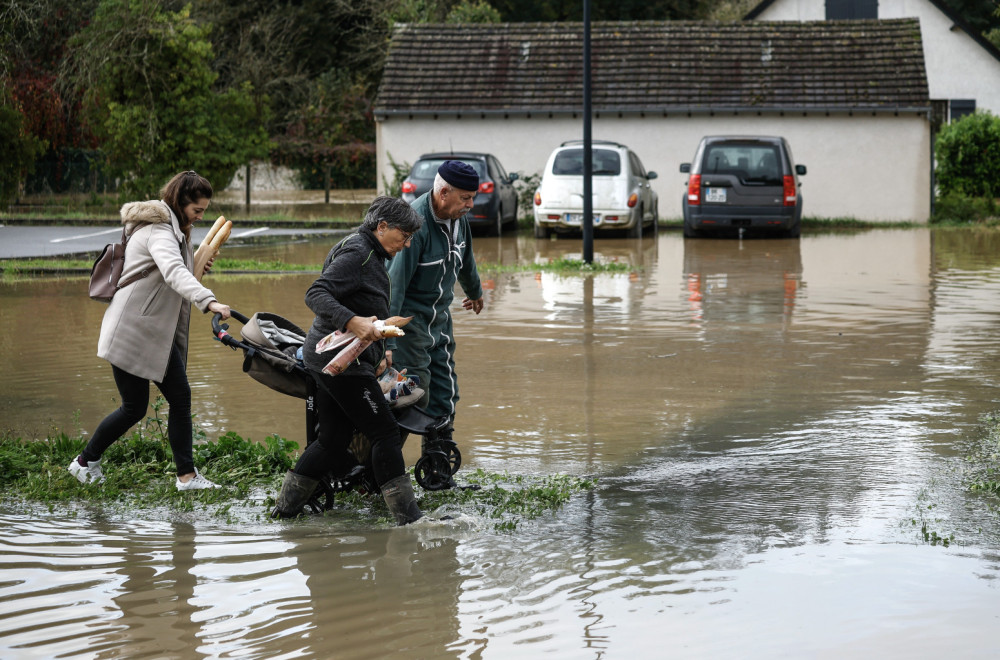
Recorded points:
(474, 305)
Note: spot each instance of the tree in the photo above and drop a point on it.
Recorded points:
(148, 88)
(473, 11)
(18, 148)
(968, 156)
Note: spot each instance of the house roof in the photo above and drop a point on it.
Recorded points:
(654, 66)
(759, 8)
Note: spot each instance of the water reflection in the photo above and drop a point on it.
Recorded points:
(770, 422)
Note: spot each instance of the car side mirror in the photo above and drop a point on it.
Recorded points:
(686, 168)
(513, 176)
(800, 169)
(650, 175)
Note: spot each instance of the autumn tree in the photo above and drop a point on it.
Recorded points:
(150, 94)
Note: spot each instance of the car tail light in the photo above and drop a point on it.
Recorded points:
(538, 199)
(694, 190)
(789, 187)
(633, 199)
(409, 187)
(486, 187)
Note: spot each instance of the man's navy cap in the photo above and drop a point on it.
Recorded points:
(460, 175)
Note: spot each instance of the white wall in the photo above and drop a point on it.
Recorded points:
(874, 168)
(957, 67)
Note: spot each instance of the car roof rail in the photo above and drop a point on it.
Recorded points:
(606, 142)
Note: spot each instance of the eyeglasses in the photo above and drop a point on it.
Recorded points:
(406, 235)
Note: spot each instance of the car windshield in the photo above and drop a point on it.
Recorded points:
(753, 163)
(426, 169)
(570, 162)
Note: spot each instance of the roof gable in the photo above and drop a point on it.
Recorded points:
(957, 20)
(654, 66)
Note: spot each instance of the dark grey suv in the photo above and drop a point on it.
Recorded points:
(742, 183)
(496, 200)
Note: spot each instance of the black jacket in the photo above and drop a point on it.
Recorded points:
(354, 282)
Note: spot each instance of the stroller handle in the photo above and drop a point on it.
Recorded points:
(219, 330)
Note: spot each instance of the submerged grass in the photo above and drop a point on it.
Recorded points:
(140, 474)
(982, 462)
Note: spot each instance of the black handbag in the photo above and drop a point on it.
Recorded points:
(107, 271)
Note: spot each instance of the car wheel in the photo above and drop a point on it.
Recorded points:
(497, 229)
(541, 232)
(796, 231)
(636, 230)
(690, 232)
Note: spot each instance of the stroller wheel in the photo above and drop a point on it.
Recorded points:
(454, 457)
(433, 471)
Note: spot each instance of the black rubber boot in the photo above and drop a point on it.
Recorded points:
(295, 492)
(402, 503)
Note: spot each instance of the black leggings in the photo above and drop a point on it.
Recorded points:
(345, 404)
(134, 392)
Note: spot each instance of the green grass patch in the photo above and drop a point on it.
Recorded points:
(982, 461)
(562, 266)
(140, 474)
(222, 265)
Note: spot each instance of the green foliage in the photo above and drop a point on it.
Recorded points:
(147, 84)
(140, 474)
(400, 172)
(526, 185)
(968, 156)
(982, 462)
(18, 149)
(509, 499)
(473, 11)
(334, 131)
(956, 207)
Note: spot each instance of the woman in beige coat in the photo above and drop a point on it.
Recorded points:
(144, 334)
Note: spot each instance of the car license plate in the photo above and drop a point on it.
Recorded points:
(577, 219)
(715, 194)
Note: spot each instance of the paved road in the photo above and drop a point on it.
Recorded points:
(18, 242)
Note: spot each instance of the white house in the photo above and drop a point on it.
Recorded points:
(963, 68)
(851, 97)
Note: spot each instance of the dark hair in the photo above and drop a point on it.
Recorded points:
(183, 189)
(394, 212)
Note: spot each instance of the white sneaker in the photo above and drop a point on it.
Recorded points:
(197, 482)
(91, 473)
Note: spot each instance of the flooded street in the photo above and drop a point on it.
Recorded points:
(773, 424)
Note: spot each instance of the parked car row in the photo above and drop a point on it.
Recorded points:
(735, 184)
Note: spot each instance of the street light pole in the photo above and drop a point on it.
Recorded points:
(588, 161)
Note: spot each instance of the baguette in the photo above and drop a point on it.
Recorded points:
(209, 248)
(214, 230)
(222, 235)
(392, 331)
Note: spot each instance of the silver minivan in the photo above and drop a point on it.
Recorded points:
(738, 183)
(622, 197)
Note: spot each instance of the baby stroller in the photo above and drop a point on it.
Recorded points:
(272, 349)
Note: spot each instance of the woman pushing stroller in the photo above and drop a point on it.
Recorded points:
(351, 294)
(144, 334)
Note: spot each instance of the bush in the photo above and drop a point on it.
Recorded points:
(955, 207)
(968, 156)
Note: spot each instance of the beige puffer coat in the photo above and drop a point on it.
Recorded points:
(149, 316)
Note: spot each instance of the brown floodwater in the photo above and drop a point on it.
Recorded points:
(772, 423)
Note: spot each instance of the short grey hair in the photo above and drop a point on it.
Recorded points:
(440, 184)
(394, 212)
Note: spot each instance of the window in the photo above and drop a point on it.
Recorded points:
(570, 161)
(959, 108)
(849, 9)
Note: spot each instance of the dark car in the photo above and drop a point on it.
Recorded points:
(496, 201)
(738, 183)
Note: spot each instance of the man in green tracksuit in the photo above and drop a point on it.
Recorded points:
(423, 286)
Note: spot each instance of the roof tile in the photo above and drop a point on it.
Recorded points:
(655, 66)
